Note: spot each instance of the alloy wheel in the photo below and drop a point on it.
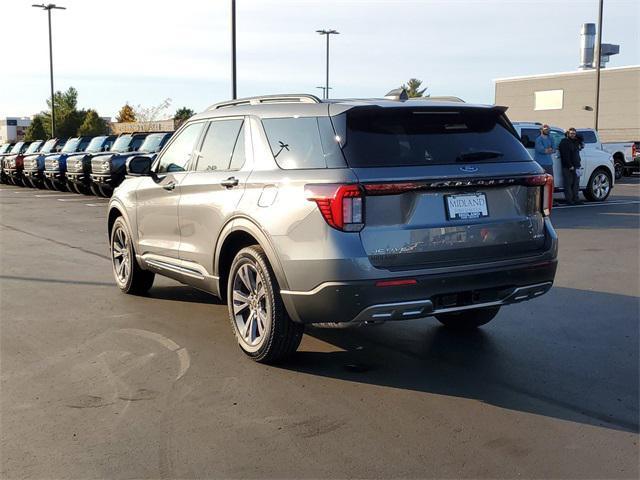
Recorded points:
(250, 305)
(120, 253)
(601, 186)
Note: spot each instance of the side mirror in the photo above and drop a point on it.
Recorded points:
(139, 166)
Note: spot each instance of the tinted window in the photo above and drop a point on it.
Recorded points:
(84, 143)
(528, 136)
(588, 136)
(218, 145)
(390, 137)
(178, 154)
(137, 142)
(296, 143)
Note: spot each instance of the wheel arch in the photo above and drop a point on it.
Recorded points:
(117, 210)
(238, 233)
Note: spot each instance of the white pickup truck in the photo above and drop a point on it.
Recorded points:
(626, 155)
(597, 179)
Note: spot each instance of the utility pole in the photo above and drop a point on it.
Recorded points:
(234, 91)
(48, 8)
(328, 33)
(598, 62)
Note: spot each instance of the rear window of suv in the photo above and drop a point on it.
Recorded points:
(388, 137)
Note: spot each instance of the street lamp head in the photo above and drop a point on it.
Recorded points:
(328, 32)
(50, 6)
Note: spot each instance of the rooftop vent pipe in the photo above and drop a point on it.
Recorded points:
(587, 46)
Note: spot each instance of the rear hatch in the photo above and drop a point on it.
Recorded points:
(443, 186)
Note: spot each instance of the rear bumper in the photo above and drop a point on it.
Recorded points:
(362, 301)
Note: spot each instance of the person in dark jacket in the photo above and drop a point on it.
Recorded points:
(569, 150)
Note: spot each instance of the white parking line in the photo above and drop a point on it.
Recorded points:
(603, 204)
(55, 194)
(72, 199)
(96, 204)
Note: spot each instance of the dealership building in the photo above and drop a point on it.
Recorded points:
(567, 99)
(12, 129)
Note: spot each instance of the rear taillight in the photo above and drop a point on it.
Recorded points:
(547, 198)
(341, 206)
(634, 151)
(545, 181)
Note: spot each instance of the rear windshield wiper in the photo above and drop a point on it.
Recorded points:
(479, 155)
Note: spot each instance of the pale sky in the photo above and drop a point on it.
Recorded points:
(143, 51)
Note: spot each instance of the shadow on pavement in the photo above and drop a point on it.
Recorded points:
(567, 358)
(182, 293)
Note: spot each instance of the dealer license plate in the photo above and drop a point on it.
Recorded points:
(466, 207)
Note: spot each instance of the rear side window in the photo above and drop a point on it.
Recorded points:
(136, 143)
(303, 143)
(393, 137)
(528, 136)
(588, 136)
(218, 145)
(178, 154)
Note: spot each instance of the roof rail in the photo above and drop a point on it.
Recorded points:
(285, 98)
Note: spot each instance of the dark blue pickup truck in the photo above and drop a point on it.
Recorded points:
(109, 170)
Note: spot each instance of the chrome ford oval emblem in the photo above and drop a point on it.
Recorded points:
(469, 169)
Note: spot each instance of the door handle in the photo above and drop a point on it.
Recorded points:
(169, 186)
(230, 182)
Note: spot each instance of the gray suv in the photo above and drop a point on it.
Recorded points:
(342, 212)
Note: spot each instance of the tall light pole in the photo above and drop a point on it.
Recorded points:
(324, 89)
(234, 92)
(598, 62)
(328, 33)
(48, 8)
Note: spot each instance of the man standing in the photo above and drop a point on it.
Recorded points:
(544, 149)
(569, 150)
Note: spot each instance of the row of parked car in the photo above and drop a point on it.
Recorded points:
(81, 164)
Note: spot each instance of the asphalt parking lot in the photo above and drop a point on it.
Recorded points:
(95, 383)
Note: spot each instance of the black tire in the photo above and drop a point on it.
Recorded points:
(593, 193)
(94, 189)
(468, 319)
(136, 281)
(280, 336)
(105, 192)
(619, 169)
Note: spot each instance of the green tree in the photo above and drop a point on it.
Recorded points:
(413, 88)
(36, 130)
(126, 114)
(93, 125)
(68, 117)
(182, 115)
